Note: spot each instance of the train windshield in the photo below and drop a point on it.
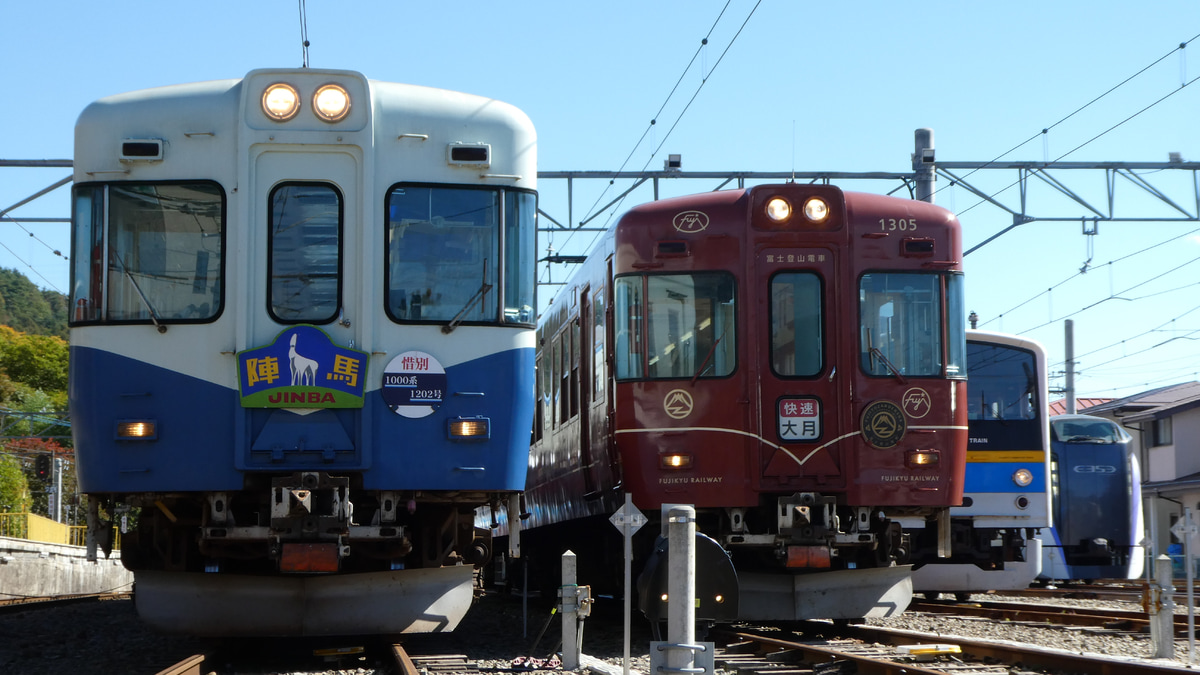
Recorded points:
(1002, 383)
(675, 326)
(1085, 430)
(444, 259)
(148, 252)
(305, 253)
(903, 329)
(796, 324)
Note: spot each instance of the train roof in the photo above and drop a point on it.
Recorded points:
(221, 109)
(1004, 338)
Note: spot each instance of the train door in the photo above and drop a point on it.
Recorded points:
(797, 353)
(603, 386)
(581, 330)
(301, 311)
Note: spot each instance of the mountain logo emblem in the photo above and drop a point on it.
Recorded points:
(678, 403)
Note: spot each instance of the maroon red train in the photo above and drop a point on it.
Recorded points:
(788, 359)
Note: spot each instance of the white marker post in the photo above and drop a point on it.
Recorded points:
(628, 519)
(1185, 529)
(570, 617)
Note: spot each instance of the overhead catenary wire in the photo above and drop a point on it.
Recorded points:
(303, 35)
(654, 120)
(1079, 147)
(33, 269)
(1184, 83)
(1082, 272)
(1045, 130)
(1123, 342)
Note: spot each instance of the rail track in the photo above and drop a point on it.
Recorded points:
(1097, 619)
(387, 658)
(24, 602)
(825, 648)
(491, 642)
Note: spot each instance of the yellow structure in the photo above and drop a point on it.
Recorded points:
(39, 528)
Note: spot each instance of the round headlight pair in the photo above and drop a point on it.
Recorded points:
(281, 102)
(779, 209)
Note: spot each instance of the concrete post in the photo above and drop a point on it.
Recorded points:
(923, 166)
(570, 612)
(1069, 339)
(1162, 610)
(681, 575)
(1191, 583)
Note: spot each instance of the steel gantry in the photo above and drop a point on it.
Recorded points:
(1085, 192)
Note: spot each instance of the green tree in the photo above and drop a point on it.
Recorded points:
(39, 361)
(14, 486)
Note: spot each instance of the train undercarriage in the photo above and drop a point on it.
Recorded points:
(799, 556)
(301, 554)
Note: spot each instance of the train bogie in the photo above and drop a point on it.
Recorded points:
(302, 339)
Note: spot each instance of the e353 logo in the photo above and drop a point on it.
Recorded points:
(1095, 468)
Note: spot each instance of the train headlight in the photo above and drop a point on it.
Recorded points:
(778, 209)
(281, 102)
(675, 461)
(921, 458)
(137, 430)
(816, 210)
(1022, 477)
(470, 429)
(331, 102)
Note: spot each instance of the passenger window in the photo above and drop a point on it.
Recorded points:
(148, 252)
(305, 248)
(442, 256)
(599, 365)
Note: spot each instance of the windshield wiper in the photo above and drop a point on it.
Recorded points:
(162, 328)
(479, 295)
(877, 354)
(704, 363)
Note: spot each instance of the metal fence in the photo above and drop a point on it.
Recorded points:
(39, 528)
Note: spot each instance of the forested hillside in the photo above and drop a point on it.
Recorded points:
(27, 309)
(33, 380)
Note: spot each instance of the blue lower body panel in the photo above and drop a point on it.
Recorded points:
(206, 440)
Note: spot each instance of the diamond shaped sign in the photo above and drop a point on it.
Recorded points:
(628, 519)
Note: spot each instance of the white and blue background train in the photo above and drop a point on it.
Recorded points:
(1006, 500)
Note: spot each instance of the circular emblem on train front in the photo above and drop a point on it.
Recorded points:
(883, 424)
(691, 222)
(678, 403)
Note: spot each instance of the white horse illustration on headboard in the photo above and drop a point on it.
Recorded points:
(304, 370)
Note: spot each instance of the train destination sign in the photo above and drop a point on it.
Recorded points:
(302, 368)
(799, 419)
(414, 384)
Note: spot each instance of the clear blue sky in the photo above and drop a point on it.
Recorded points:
(805, 86)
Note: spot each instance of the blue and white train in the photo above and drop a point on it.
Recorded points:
(302, 345)
(1096, 485)
(1005, 497)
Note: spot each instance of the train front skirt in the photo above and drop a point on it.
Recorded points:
(842, 594)
(969, 578)
(223, 605)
